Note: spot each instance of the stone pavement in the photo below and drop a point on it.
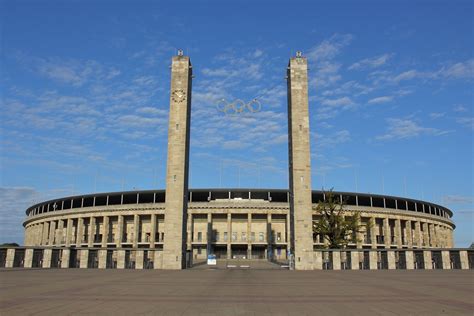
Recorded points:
(235, 292)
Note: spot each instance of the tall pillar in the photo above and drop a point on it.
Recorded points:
(373, 232)
(209, 234)
(91, 231)
(386, 232)
(426, 237)
(105, 231)
(300, 163)
(269, 236)
(68, 232)
(28, 258)
(431, 228)
(136, 230)
(229, 236)
(52, 233)
(39, 240)
(189, 232)
(359, 235)
(119, 235)
(60, 232)
(249, 238)
(398, 233)
(80, 231)
(45, 234)
(153, 230)
(418, 236)
(408, 234)
(176, 201)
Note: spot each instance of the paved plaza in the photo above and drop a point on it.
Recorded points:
(234, 291)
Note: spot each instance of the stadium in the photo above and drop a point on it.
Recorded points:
(235, 223)
(178, 227)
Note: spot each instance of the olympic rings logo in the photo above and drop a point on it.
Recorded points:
(238, 106)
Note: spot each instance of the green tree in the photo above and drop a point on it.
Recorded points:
(338, 229)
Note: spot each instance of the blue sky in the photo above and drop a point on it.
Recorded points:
(84, 97)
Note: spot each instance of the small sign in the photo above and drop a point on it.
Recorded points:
(211, 260)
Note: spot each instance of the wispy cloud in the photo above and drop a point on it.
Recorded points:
(458, 199)
(466, 121)
(407, 128)
(379, 100)
(373, 62)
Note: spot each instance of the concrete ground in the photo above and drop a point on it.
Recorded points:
(235, 291)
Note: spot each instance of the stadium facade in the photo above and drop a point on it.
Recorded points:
(172, 227)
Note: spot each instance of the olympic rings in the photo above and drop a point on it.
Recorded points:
(238, 106)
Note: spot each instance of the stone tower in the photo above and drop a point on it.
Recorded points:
(174, 244)
(299, 163)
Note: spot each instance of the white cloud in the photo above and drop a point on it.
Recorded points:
(329, 48)
(466, 121)
(406, 128)
(436, 115)
(459, 70)
(343, 102)
(380, 100)
(460, 109)
(458, 199)
(373, 62)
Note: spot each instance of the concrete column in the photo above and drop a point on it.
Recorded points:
(80, 231)
(354, 260)
(66, 254)
(59, 240)
(28, 258)
(105, 232)
(408, 234)
(45, 234)
(373, 260)
(373, 232)
(47, 253)
(68, 232)
(426, 238)
(176, 204)
(153, 230)
(10, 258)
(119, 235)
(386, 232)
(136, 230)
(158, 260)
(359, 235)
(288, 232)
(446, 259)
(229, 235)
(269, 235)
(300, 163)
(91, 232)
(450, 238)
(84, 258)
(391, 260)
(249, 237)
(40, 234)
(464, 259)
(139, 259)
(318, 260)
(189, 232)
(102, 254)
(432, 242)
(418, 237)
(209, 233)
(336, 260)
(410, 263)
(398, 232)
(52, 233)
(427, 259)
(120, 259)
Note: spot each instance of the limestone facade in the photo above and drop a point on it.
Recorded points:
(231, 224)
